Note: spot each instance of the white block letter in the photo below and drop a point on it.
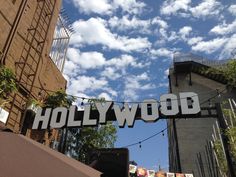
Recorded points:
(71, 119)
(125, 115)
(86, 120)
(38, 118)
(154, 110)
(62, 119)
(189, 103)
(102, 109)
(169, 101)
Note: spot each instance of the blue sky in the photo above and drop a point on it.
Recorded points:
(122, 49)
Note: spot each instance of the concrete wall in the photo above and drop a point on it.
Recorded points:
(26, 44)
(192, 134)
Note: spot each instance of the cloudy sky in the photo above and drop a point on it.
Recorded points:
(122, 49)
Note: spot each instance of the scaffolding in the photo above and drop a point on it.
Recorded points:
(61, 39)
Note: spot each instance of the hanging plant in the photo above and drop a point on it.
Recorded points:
(33, 104)
(7, 84)
(59, 99)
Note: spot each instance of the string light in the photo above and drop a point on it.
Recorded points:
(82, 102)
(162, 131)
(163, 134)
(140, 145)
(218, 93)
(122, 102)
(209, 103)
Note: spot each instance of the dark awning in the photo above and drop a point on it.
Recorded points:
(23, 157)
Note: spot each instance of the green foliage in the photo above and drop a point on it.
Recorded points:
(59, 99)
(36, 103)
(85, 139)
(88, 138)
(228, 71)
(7, 84)
(221, 157)
(231, 133)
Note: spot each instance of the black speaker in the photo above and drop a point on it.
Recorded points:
(112, 162)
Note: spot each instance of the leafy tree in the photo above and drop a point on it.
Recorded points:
(7, 84)
(85, 139)
(60, 99)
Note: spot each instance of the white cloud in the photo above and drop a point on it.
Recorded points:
(124, 61)
(206, 8)
(185, 31)
(229, 47)
(173, 6)
(86, 83)
(111, 73)
(116, 67)
(166, 72)
(107, 7)
(95, 31)
(163, 85)
(95, 6)
(194, 40)
(210, 46)
(232, 9)
(183, 8)
(134, 84)
(70, 66)
(129, 6)
(105, 95)
(87, 60)
(127, 23)
(224, 28)
(110, 91)
(160, 22)
(161, 52)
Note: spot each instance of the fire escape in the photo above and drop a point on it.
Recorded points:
(28, 64)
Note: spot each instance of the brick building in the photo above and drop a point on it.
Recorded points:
(26, 36)
(189, 138)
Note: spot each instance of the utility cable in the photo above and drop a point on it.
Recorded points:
(163, 130)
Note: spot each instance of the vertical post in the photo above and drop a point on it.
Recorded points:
(225, 139)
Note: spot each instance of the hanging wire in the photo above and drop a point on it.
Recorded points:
(122, 102)
(161, 131)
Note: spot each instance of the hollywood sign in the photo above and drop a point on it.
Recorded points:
(151, 110)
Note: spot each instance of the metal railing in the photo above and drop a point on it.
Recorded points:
(183, 57)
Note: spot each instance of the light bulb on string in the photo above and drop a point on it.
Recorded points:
(140, 145)
(82, 102)
(209, 103)
(218, 93)
(123, 106)
(163, 134)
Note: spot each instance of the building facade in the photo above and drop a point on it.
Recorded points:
(27, 29)
(189, 148)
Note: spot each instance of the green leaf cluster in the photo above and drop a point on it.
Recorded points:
(220, 156)
(8, 84)
(88, 138)
(230, 132)
(228, 71)
(59, 99)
